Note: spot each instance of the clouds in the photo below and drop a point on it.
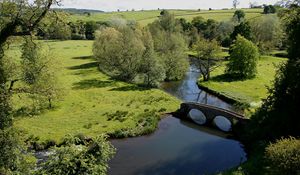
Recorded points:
(113, 5)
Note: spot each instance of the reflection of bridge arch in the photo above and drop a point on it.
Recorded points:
(208, 115)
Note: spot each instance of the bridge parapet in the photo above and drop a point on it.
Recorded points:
(211, 116)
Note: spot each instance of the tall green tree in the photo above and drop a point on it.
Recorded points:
(243, 59)
(242, 29)
(119, 51)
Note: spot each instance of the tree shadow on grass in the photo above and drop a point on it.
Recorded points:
(93, 83)
(84, 66)
(83, 57)
(131, 88)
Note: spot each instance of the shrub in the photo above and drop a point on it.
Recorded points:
(72, 159)
(243, 59)
(284, 156)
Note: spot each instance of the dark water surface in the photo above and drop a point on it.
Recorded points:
(179, 147)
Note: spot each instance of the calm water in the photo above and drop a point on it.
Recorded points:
(179, 147)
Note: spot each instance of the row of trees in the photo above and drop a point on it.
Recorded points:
(150, 54)
(62, 29)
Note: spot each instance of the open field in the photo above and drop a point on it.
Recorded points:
(92, 99)
(248, 91)
(146, 17)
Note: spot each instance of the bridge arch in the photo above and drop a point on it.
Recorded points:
(212, 116)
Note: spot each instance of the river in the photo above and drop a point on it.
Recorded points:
(179, 147)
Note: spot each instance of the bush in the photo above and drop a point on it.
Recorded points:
(73, 159)
(243, 59)
(283, 156)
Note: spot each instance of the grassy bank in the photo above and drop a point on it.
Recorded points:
(93, 103)
(148, 16)
(247, 91)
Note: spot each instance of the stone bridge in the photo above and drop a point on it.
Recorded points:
(207, 115)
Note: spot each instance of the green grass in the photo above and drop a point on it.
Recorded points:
(146, 17)
(248, 91)
(92, 99)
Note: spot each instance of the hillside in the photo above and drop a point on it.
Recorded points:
(146, 17)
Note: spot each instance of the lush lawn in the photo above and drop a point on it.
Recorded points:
(248, 91)
(92, 99)
(146, 17)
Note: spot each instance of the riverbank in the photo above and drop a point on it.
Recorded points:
(93, 103)
(247, 93)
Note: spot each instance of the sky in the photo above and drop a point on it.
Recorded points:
(113, 5)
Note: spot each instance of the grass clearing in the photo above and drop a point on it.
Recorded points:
(93, 103)
(248, 91)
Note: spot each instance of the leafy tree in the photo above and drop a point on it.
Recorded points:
(224, 31)
(239, 15)
(269, 9)
(267, 32)
(174, 56)
(90, 28)
(200, 23)
(243, 59)
(170, 45)
(242, 29)
(59, 28)
(119, 51)
(206, 56)
(151, 66)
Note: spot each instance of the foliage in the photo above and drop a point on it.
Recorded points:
(14, 158)
(224, 31)
(283, 156)
(243, 59)
(269, 9)
(206, 56)
(267, 32)
(90, 28)
(151, 66)
(242, 29)
(239, 15)
(279, 112)
(119, 51)
(291, 19)
(80, 159)
(170, 45)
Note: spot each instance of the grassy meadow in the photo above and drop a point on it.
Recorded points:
(93, 103)
(148, 16)
(250, 91)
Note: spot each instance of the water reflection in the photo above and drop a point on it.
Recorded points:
(178, 147)
(187, 90)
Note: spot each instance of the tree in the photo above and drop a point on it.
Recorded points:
(239, 15)
(242, 29)
(18, 18)
(170, 45)
(119, 51)
(151, 66)
(243, 59)
(206, 56)
(267, 32)
(235, 3)
(224, 31)
(269, 9)
(90, 28)
(280, 111)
